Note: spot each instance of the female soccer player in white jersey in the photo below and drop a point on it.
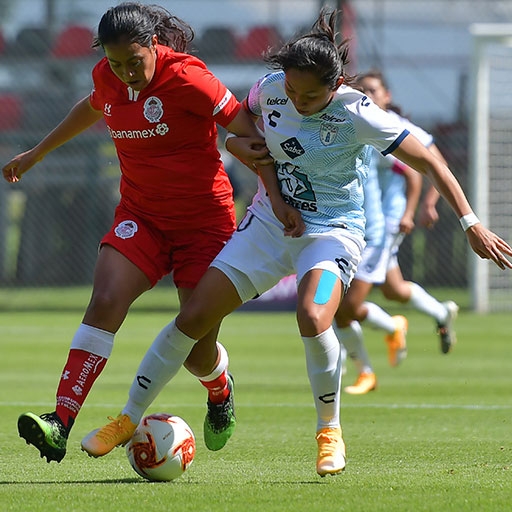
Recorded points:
(318, 130)
(176, 211)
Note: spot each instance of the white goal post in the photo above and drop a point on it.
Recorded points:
(490, 142)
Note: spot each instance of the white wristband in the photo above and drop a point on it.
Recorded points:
(466, 221)
(229, 136)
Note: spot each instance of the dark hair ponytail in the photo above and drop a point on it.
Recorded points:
(137, 23)
(317, 51)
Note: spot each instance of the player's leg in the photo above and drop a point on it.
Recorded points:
(214, 297)
(396, 288)
(350, 312)
(319, 293)
(117, 283)
(220, 421)
(325, 269)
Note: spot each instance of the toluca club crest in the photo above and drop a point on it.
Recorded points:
(153, 109)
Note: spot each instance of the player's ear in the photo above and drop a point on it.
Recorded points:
(340, 81)
(154, 40)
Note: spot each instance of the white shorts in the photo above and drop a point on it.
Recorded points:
(258, 256)
(376, 260)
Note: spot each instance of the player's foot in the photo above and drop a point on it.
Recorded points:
(46, 432)
(220, 421)
(445, 329)
(103, 440)
(365, 383)
(397, 344)
(331, 452)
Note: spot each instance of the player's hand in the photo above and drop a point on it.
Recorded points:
(428, 216)
(19, 165)
(489, 246)
(251, 151)
(406, 224)
(291, 219)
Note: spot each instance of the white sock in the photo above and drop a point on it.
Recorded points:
(352, 338)
(160, 364)
(93, 340)
(379, 319)
(424, 302)
(220, 368)
(323, 364)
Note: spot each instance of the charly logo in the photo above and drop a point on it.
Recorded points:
(292, 148)
(328, 133)
(126, 229)
(153, 109)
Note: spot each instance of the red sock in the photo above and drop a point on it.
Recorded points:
(81, 370)
(218, 389)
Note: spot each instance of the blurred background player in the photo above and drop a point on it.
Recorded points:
(400, 190)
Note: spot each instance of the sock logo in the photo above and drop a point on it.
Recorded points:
(328, 398)
(142, 380)
(77, 390)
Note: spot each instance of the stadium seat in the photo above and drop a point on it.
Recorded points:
(217, 44)
(11, 109)
(31, 42)
(257, 41)
(72, 42)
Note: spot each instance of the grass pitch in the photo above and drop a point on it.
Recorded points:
(435, 436)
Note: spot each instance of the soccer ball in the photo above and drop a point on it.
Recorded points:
(162, 447)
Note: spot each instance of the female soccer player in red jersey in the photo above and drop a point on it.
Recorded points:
(176, 211)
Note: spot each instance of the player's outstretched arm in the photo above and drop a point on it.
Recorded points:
(484, 242)
(79, 118)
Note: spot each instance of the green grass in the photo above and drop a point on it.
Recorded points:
(435, 436)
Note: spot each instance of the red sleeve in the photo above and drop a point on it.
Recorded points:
(95, 99)
(206, 95)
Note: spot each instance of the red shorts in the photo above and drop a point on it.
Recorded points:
(185, 253)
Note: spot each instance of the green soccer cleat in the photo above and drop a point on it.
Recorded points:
(46, 432)
(220, 421)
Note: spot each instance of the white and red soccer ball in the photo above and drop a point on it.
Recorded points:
(162, 447)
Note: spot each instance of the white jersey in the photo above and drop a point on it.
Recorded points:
(321, 160)
(392, 181)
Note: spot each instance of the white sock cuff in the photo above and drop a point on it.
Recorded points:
(221, 367)
(93, 340)
(322, 339)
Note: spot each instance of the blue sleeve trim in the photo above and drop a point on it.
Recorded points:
(396, 143)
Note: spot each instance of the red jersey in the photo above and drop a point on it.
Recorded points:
(166, 140)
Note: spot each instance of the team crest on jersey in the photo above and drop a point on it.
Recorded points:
(153, 109)
(328, 133)
(126, 229)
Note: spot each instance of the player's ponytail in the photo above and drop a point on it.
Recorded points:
(317, 51)
(137, 23)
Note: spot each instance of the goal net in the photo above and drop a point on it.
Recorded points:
(491, 157)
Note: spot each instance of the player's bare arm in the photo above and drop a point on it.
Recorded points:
(79, 118)
(485, 243)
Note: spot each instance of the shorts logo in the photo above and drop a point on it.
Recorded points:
(153, 109)
(126, 229)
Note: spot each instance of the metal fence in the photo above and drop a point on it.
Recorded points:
(51, 222)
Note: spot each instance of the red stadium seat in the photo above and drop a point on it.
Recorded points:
(74, 41)
(257, 41)
(10, 111)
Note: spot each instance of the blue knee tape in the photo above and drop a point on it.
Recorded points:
(325, 287)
